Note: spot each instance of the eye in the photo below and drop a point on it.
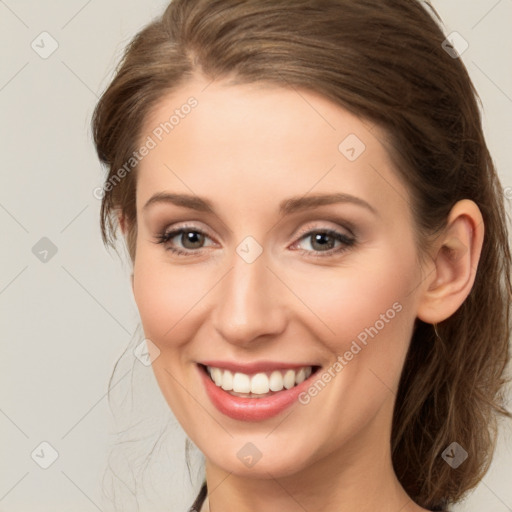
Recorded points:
(191, 239)
(324, 240)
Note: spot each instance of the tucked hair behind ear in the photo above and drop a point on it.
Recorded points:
(384, 61)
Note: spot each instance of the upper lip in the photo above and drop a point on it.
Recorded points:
(255, 367)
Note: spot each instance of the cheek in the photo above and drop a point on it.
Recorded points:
(165, 295)
(165, 298)
(351, 299)
(367, 314)
(155, 301)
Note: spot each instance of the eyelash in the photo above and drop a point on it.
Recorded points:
(347, 241)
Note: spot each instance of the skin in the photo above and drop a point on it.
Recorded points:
(246, 148)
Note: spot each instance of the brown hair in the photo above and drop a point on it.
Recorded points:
(384, 61)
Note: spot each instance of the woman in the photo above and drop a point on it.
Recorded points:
(319, 249)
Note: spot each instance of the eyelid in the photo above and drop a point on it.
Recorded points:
(186, 226)
(346, 242)
(297, 235)
(175, 230)
(313, 226)
(166, 234)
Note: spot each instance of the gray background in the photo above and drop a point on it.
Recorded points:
(64, 322)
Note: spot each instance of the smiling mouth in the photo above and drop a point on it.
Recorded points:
(258, 385)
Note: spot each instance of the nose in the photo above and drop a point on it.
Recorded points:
(249, 303)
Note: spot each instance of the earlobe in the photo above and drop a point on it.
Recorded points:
(456, 259)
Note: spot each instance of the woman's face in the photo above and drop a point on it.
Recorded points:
(299, 257)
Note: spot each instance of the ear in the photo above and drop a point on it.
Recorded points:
(456, 256)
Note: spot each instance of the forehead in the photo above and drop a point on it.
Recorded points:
(263, 142)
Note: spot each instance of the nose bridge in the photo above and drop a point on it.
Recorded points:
(248, 300)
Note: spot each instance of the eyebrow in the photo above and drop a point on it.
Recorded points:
(286, 207)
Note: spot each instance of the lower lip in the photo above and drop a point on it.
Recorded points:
(251, 409)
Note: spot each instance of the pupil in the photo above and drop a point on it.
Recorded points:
(319, 237)
(190, 235)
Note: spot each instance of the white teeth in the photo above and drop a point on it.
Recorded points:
(276, 381)
(227, 380)
(216, 376)
(289, 379)
(259, 383)
(301, 376)
(241, 383)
